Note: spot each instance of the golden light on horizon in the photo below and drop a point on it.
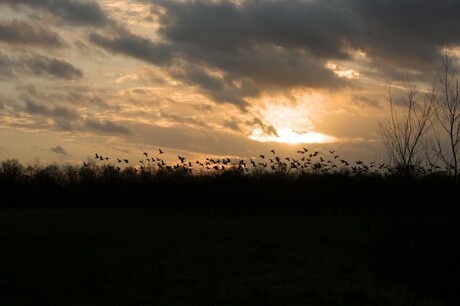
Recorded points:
(290, 123)
(289, 136)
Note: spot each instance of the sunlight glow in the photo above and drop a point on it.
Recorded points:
(289, 122)
(342, 72)
(287, 135)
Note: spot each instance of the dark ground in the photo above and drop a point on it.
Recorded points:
(321, 241)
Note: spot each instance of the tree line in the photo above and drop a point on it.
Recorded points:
(425, 132)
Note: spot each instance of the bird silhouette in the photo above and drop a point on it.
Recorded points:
(119, 160)
(97, 156)
(161, 152)
(273, 151)
(146, 155)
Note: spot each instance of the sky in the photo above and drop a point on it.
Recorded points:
(210, 78)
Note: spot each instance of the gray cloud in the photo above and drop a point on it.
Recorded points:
(313, 26)
(219, 89)
(135, 46)
(20, 32)
(73, 95)
(407, 33)
(63, 118)
(39, 65)
(7, 66)
(232, 124)
(59, 150)
(268, 129)
(68, 11)
(58, 112)
(286, 43)
(107, 127)
(183, 120)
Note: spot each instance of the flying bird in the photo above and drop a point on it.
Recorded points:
(273, 151)
(161, 152)
(146, 155)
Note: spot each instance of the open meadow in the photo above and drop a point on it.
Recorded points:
(169, 237)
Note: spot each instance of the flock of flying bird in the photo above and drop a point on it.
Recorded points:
(307, 161)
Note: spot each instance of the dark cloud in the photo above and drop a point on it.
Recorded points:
(20, 32)
(40, 64)
(7, 66)
(57, 112)
(73, 95)
(135, 46)
(313, 26)
(59, 150)
(268, 129)
(107, 127)
(407, 33)
(286, 43)
(219, 89)
(183, 119)
(72, 12)
(63, 118)
(275, 44)
(232, 124)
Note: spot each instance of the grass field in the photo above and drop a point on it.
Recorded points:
(145, 257)
(97, 235)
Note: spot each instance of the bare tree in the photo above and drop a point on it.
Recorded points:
(403, 131)
(446, 122)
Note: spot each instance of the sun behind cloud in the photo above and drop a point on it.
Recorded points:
(291, 122)
(287, 135)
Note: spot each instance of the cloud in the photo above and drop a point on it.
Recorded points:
(219, 89)
(107, 127)
(267, 129)
(75, 95)
(287, 43)
(71, 12)
(59, 150)
(313, 26)
(7, 66)
(232, 124)
(406, 33)
(191, 121)
(20, 32)
(63, 118)
(135, 46)
(40, 65)
(57, 112)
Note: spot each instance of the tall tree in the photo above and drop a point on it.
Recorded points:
(407, 124)
(446, 122)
